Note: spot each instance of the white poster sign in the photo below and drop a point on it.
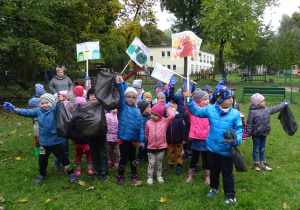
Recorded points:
(88, 51)
(138, 52)
(162, 73)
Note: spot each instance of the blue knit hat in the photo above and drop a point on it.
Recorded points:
(39, 86)
(33, 103)
(39, 92)
(48, 97)
(221, 93)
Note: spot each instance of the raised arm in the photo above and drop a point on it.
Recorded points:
(27, 112)
(198, 112)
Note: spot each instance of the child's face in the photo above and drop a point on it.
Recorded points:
(114, 111)
(130, 98)
(160, 100)
(173, 109)
(235, 107)
(148, 99)
(147, 110)
(209, 94)
(154, 117)
(61, 98)
(227, 103)
(92, 98)
(262, 104)
(204, 102)
(45, 104)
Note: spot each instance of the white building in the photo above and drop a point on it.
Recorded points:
(162, 54)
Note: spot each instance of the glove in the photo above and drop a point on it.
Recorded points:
(288, 102)
(143, 146)
(166, 92)
(159, 85)
(167, 105)
(8, 106)
(87, 78)
(228, 141)
(185, 85)
(173, 81)
(230, 137)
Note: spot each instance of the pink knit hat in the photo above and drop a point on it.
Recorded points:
(159, 109)
(166, 87)
(256, 99)
(64, 95)
(78, 90)
(79, 100)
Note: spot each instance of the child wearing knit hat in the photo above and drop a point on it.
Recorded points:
(130, 130)
(147, 97)
(155, 132)
(221, 116)
(50, 142)
(258, 126)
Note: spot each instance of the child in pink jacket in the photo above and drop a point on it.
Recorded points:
(112, 138)
(198, 133)
(155, 133)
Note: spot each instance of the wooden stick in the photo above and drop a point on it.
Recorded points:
(125, 67)
(188, 82)
(182, 77)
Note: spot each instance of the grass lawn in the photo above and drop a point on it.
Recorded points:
(254, 190)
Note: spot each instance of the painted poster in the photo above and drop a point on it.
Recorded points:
(88, 51)
(138, 52)
(185, 44)
(162, 73)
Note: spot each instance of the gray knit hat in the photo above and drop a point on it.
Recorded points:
(198, 95)
(161, 94)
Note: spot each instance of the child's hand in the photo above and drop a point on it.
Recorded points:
(87, 77)
(246, 139)
(166, 92)
(117, 78)
(9, 106)
(121, 78)
(191, 84)
(142, 144)
(159, 85)
(287, 102)
(186, 93)
(173, 81)
(167, 105)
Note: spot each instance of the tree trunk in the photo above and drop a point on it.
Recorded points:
(221, 62)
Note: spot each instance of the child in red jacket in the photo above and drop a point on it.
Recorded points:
(155, 133)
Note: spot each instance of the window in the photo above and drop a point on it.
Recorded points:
(168, 53)
(196, 68)
(164, 65)
(169, 66)
(204, 58)
(163, 54)
(192, 58)
(174, 67)
(200, 67)
(201, 58)
(151, 58)
(210, 59)
(192, 68)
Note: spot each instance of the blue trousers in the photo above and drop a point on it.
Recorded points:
(259, 144)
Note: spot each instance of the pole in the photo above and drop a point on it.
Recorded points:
(87, 74)
(291, 90)
(180, 75)
(187, 77)
(125, 67)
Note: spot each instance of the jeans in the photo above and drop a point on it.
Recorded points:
(259, 144)
(66, 150)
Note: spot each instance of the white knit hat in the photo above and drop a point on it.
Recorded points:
(137, 83)
(257, 98)
(130, 90)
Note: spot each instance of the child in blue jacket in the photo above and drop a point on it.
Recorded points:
(130, 130)
(49, 141)
(221, 117)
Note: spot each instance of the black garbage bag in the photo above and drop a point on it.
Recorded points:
(63, 120)
(238, 160)
(90, 119)
(230, 136)
(106, 91)
(288, 121)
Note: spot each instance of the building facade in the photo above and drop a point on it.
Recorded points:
(162, 54)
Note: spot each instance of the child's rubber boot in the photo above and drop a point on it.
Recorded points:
(78, 172)
(36, 151)
(191, 174)
(116, 165)
(256, 166)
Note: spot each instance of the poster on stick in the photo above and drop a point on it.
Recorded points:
(88, 51)
(185, 44)
(162, 73)
(138, 52)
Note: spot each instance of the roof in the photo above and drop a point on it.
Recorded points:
(167, 46)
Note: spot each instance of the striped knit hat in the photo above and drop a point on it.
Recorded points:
(48, 97)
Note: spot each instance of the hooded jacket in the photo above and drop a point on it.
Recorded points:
(177, 131)
(218, 124)
(57, 84)
(112, 127)
(258, 122)
(155, 132)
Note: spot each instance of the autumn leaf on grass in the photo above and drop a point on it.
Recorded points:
(65, 187)
(82, 183)
(23, 201)
(18, 158)
(291, 178)
(25, 180)
(90, 188)
(2, 200)
(48, 200)
(2, 208)
(163, 200)
(56, 196)
(75, 187)
(137, 183)
(3, 150)
(285, 206)
(29, 134)
(1, 142)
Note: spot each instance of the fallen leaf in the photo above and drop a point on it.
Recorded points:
(162, 200)
(75, 187)
(2, 200)
(16, 129)
(243, 190)
(82, 183)
(29, 134)
(25, 180)
(3, 150)
(90, 188)
(10, 158)
(4, 137)
(23, 201)
(278, 167)
(137, 183)
(56, 196)
(8, 168)
(18, 123)
(48, 200)
(21, 135)
(1, 142)
(100, 196)
(13, 131)
(285, 206)
(4, 160)
(65, 187)
(2, 208)
(18, 158)
(290, 178)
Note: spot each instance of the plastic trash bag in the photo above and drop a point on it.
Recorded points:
(230, 136)
(238, 160)
(90, 119)
(288, 121)
(63, 120)
(106, 92)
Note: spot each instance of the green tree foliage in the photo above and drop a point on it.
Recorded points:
(150, 35)
(39, 34)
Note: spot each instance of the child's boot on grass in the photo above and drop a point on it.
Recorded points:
(191, 174)
(265, 166)
(116, 165)
(36, 151)
(207, 176)
(120, 180)
(78, 169)
(256, 166)
(110, 162)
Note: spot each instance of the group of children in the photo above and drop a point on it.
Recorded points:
(197, 118)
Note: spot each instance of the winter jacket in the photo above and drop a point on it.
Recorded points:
(199, 126)
(130, 126)
(179, 100)
(77, 136)
(57, 84)
(112, 127)
(177, 131)
(47, 124)
(155, 132)
(218, 124)
(258, 122)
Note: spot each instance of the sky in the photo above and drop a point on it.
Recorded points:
(272, 14)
